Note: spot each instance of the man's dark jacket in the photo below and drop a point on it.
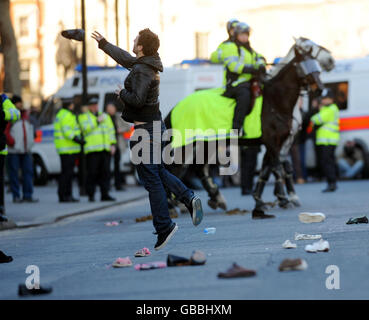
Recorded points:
(141, 92)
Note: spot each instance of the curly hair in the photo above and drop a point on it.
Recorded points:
(149, 41)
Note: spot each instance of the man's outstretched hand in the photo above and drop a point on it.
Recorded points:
(97, 36)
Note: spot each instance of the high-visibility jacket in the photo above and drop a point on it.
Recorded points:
(11, 113)
(328, 121)
(218, 56)
(98, 136)
(66, 129)
(235, 59)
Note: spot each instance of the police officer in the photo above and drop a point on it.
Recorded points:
(218, 55)
(326, 122)
(8, 112)
(99, 133)
(68, 141)
(242, 65)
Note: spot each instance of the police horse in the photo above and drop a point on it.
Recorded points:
(300, 69)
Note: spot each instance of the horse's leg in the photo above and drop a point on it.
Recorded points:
(264, 175)
(288, 172)
(278, 186)
(216, 199)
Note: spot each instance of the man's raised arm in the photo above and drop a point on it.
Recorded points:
(121, 56)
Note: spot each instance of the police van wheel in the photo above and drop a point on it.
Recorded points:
(40, 174)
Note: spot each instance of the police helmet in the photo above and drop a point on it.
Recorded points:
(241, 27)
(327, 93)
(231, 24)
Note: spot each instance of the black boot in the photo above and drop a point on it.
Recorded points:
(331, 187)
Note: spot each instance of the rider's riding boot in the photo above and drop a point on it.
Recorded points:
(257, 195)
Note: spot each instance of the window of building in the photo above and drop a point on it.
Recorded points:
(23, 26)
(201, 39)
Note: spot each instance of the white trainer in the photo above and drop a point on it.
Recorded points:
(307, 217)
(302, 236)
(289, 245)
(319, 246)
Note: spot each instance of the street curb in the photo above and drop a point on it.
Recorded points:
(74, 214)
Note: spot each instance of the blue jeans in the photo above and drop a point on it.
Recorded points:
(155, 178)
(23, 161)
(347, 171)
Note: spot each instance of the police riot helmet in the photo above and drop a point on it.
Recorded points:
(231, 24)
(241, 27)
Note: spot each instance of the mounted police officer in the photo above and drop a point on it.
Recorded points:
(242, 65)
(68, 141)
(99, 133)
(218, 55)
(326, 122)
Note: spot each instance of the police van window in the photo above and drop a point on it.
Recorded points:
(112, 98)
(340, 90)
(49, 111)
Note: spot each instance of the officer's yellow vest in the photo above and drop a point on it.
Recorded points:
(98, 136)
(12, 114)
(328, 121)
(65, 130)
(235, 60)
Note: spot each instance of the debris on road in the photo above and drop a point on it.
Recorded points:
(144, 218)
(24, 291)
(144, 252)
(289, 245)
(210, 230)
(151, 265)
(301, 236)
(122, 262)
(237, 271)
(293, 264)
(236, 211)
(197, 258)
(4, 258)
(308, 217)
(319, 246)
(113, 223)
(363, 219)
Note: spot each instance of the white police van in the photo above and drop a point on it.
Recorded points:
(349, 81)
(176, 83)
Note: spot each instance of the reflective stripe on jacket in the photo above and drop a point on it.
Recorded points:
(65, 130)
(218, 56)
(98, 136)
(235, 59)
(328, 121)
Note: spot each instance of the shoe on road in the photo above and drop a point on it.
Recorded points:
(197, 258)
(293, 264)
(237, 271)
(4, 258)
(301, 236)
(195, 209)
(24, 291)
(256, 214)
(330, 188)
(319, 246)
(307, 217)
(357, 220)
(122, 262)
(289, 245)
(164, 237)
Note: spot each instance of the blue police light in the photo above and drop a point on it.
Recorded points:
(195, 61)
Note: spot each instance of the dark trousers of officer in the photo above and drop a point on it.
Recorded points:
(242, 94)
(248, 167)
(327, 162)
(98, 173)
(117, 173)
(66, 176)
(2, 164)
